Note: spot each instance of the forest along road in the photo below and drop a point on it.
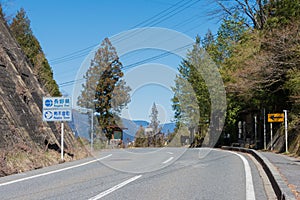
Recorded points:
(144, 173)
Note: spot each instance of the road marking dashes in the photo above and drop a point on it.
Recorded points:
(168, 160)
(106, 192)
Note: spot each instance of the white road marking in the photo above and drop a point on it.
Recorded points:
(250, 194)
(55, 171)
(170, 153)
(168, 160)
(106, 192)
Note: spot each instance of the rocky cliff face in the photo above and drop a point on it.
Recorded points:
(26, 141)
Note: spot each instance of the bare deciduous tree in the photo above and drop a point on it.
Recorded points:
(252, 12)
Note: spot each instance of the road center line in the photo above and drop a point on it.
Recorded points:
(170, 153)
(55, 171)
(168, 160)
(106, 192)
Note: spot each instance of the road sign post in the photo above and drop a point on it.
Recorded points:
(58, 109)
(271, 129)
(286, 131)
(62, 142)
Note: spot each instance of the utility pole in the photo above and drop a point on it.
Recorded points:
(86, 111)
(92, 129)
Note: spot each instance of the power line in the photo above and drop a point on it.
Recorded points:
(71, 54)
(149, 22)
(184, 8)
(68, 83)
(158, 14)
(83, 51)
(162, 55)
(73, 57)
(155, 22)
(187, 21)
(155, 57)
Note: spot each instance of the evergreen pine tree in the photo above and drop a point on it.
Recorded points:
(104, 90)
(21, 30)
(154, 122)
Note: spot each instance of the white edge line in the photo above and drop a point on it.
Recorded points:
(55, 171)
(250, 194)
(168, 160)
(114, 188)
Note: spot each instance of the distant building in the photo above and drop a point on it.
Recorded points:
(115, 136)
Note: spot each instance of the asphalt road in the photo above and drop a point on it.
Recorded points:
(167, 173)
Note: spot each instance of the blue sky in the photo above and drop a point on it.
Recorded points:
(67, 26)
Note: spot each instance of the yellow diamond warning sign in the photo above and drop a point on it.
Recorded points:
(276, 117)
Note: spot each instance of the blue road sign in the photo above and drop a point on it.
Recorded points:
(57, 109)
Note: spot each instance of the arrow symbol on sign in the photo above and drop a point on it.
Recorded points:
(274, 117)
(48, 114)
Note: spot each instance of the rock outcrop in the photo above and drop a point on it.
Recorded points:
(26, 142)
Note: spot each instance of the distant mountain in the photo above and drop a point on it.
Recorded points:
(131, 129)
(168, 128)
(141, 122)
(81, 126)
(133, 126)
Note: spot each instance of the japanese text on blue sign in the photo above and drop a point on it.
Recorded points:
(57, 109)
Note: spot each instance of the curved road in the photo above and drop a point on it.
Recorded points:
(167, 173)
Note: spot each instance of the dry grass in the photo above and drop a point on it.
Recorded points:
(22, 158)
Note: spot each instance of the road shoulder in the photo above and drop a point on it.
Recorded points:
(280, 187)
